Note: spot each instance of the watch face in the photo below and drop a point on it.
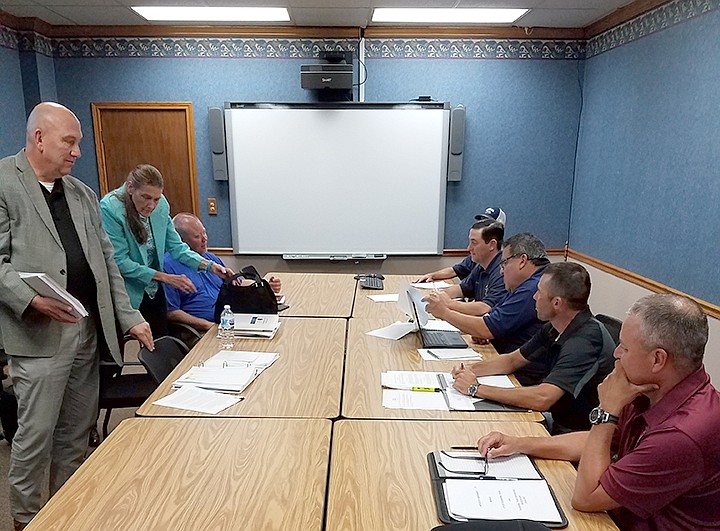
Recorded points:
(595, 415)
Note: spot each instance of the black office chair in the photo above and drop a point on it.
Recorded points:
(118, 390)
(612, 324)
(159, 363)
(185, 333)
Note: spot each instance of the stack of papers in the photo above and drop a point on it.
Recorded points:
(47, 287)
(258, 325)
(193, 398)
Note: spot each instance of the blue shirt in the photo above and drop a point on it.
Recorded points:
(464, 268)
(485, 285)
(514, 320)
(200, 304)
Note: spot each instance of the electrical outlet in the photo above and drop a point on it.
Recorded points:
(212, 206)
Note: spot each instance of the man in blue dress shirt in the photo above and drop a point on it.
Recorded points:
(195, 309)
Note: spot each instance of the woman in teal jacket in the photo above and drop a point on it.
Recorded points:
(136, 217)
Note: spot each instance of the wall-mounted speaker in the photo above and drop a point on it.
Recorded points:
(216, 125)
(457, 143)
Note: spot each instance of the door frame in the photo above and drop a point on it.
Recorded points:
(185, 106)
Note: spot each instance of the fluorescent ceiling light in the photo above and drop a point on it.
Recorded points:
(447, 16)
(213, 14)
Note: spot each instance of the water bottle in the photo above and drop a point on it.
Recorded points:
(226, 330)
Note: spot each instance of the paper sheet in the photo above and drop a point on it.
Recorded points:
(440, 284)
(409, 379)
(193, 398)
(397, 399)
(384, 297)
(242, 358)
(394, 331)
(438, 324)
(501, 500)
(517, 466)
(440, 354)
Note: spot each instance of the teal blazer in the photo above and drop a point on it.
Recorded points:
(131, 258)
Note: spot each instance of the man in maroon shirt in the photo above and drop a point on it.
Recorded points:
(652, 456)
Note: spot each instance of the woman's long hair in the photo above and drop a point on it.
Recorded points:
(142, 175)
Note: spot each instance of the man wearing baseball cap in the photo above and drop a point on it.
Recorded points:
(464, 268)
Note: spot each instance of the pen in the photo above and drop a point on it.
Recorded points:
(461, 447)
(426, 389)
(433, 354)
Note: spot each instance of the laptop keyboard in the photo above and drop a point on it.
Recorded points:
(442, 338)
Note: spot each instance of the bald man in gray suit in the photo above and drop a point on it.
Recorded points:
(50, 223)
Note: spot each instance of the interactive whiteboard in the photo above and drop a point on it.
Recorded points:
(337, 180)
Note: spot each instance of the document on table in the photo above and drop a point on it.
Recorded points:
(399, 399)
(193, 398)
(440, 354)
(439, 324)
(408, 379)
(529, 499)
(394, 331)
(440, 284)
(229, 379)
(384, 297)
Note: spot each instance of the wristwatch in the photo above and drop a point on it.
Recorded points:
(473, 389)
(600, 416)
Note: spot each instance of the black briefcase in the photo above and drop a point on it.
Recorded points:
(258, 297)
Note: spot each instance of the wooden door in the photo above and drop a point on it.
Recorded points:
(161, 134)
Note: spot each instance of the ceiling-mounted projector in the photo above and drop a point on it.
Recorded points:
(326, 76)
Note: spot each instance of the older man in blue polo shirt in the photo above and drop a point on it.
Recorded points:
(513, 321)
(195, 309)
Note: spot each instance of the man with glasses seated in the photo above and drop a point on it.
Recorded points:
(513, 321)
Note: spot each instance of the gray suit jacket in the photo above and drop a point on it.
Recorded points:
(29, 242)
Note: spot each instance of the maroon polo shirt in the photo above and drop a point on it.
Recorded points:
(667, 473)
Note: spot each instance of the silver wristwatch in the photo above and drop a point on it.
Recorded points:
(473, 389)
(600, 416)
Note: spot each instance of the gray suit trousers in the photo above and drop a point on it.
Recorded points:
(57, 406)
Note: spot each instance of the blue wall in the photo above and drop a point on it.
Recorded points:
(12, 107)
(521, 125)
(648, 175)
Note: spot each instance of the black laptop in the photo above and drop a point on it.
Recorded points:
(436, 338)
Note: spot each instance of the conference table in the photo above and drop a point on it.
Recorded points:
(379, 476)
(304, 382)
(368, 356)
(192, 474)
(264, 463)
(317, 294)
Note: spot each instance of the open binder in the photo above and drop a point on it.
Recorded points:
(468, 487)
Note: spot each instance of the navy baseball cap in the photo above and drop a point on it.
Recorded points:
(495, 213)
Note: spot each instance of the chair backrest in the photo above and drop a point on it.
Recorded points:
(612, 325)
(159, 363)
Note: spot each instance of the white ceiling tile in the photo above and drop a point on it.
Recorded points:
(100, 15)
(560, 18)
(36, 11)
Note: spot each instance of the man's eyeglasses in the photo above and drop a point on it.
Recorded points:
(504, 262)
